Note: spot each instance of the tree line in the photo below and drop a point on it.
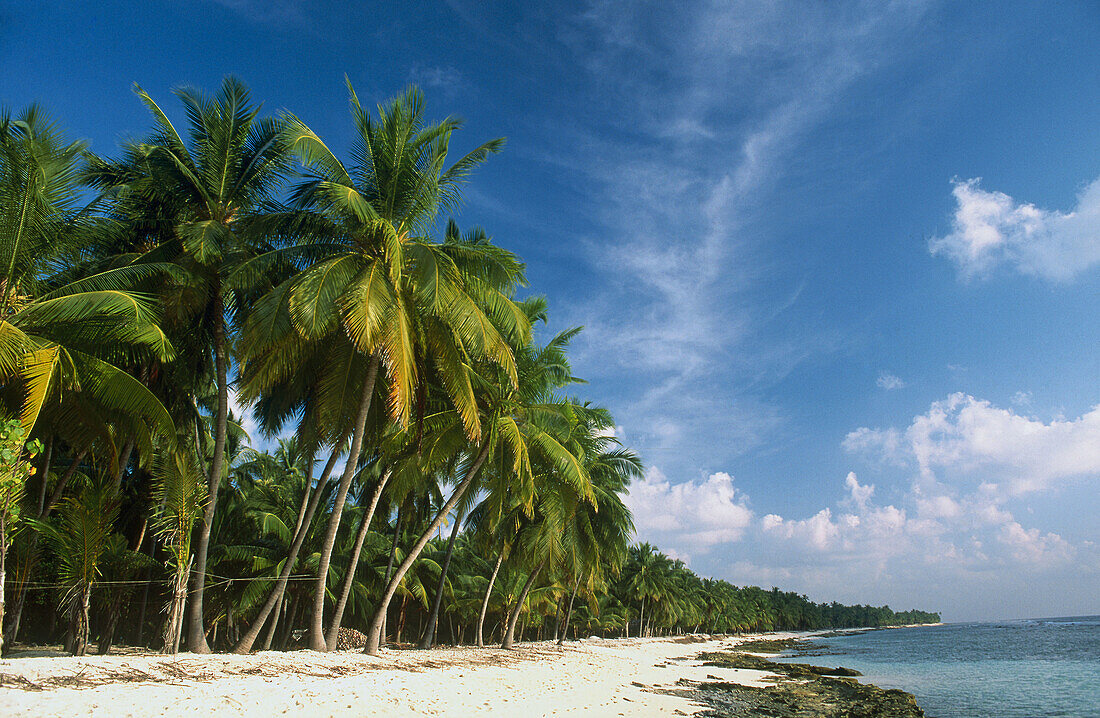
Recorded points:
(434, 468)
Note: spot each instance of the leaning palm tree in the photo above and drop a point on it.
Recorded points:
(521, 420)
(206, 188)
(375, 288)
(597, 537)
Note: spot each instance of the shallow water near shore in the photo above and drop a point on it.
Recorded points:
(1009, 669)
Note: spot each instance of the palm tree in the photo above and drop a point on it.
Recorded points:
(206, 188)
(597, 538)
(63, 335)
(375, 286)
(180, 494)
(521, 420)
(80, 539)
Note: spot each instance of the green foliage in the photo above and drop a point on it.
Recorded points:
(80, 535)
(16, 454)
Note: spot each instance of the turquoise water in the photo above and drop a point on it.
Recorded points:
(1010, 669)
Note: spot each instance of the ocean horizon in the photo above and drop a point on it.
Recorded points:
(1020, 668)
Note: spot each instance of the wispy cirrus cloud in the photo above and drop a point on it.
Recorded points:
(716, 99)
(889, 381)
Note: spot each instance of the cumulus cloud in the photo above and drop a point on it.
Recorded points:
(858, 495)
(690, 516)
(991, 229)
(889, 381)
(964, 438)
(967, 467)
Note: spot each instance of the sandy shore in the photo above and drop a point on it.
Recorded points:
(587, 678)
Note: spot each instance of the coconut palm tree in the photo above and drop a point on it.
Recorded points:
(375, 286)
(206, 188)
(598, 536)
(522, 420)
(179, 491)
(62, 335)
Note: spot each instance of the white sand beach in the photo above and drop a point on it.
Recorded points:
(594, 677)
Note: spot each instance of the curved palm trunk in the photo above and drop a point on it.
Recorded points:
(317, 629)
(569, 612)
(196, 640)
(273, 625)
(45, 476)
(373, 638)
(250, 636)
(353, 564)
(510, 632)
(429, 633)
(485, 600)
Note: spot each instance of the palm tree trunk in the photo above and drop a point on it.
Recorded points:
(569, 611)
(107, 635)
(292, 610)
(429, 634)
(45, 476)
(123, 460)
(277, 592)
(353, 563)
(197, 637)
(641, 617)
(373, 638)
(389, 563)
(250, 636)
(485, 600)
(274, 624)
(81, 613)
(60, 488)
(317, 630)
(510, 632)
(173, 625)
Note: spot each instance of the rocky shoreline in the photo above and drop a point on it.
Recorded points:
(798, 691)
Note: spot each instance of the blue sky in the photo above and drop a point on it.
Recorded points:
(817, 248)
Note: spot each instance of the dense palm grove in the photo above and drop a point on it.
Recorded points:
(434, 479)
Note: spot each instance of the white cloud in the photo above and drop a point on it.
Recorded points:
(947, 538)
(691, 516)
(679, 196)
(885, 443)
(858, 495)
(991, 228)
(966, 439)
(888, 381)
(444, 78)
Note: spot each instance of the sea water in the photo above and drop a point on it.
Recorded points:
(1009, 669)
